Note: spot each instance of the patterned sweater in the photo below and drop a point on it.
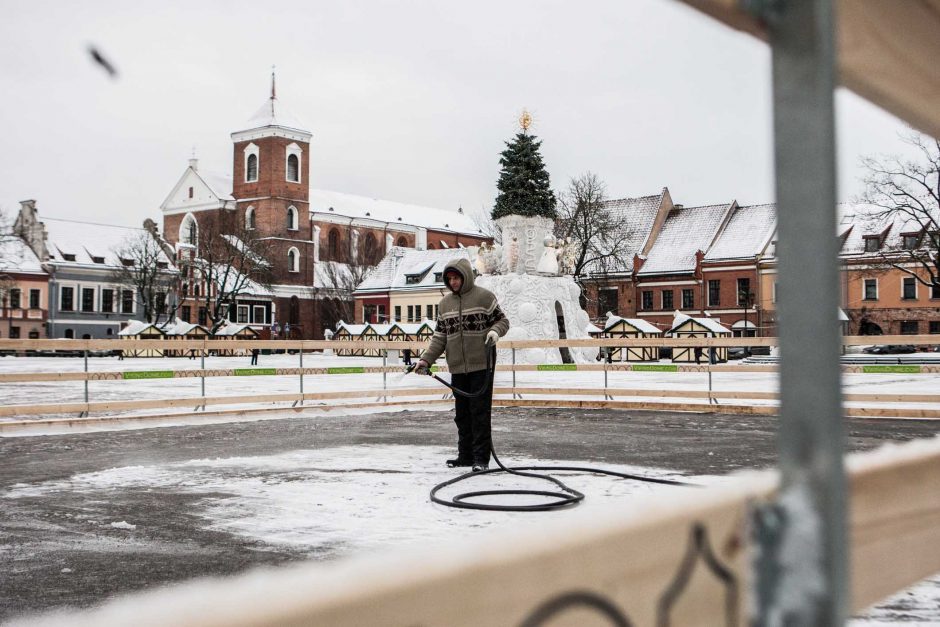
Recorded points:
(463, 321)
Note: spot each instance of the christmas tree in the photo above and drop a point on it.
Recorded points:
(524, 188)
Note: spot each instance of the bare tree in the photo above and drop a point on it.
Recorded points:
(600, 237)
(146, 267)
(907, 192)
(485, 224)
(228, 260)
(339, 280)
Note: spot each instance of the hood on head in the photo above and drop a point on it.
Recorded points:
(466, 271)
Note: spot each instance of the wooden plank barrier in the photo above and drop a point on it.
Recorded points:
(678, 559)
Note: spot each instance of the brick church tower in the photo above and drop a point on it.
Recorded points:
(271, 187)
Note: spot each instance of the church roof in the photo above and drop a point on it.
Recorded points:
(363, 207)
(274, 113)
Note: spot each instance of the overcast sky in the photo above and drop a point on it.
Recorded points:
(408, 100)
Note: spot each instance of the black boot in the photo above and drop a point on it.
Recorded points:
(459, 461)
(480, 466)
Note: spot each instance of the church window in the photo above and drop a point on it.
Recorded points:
(291, 218)
(293, 260)
(371, 250)
(190, 192)
(402, 242)
(252, 172)
(294, 154)
(189, 230)
(333, 245)
(293, 169)
(250, 218)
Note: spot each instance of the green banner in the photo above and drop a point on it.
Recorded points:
(148, 374)
(911, 369)
(346, 370)
(254, 372)
(654, 368)
(542, 367)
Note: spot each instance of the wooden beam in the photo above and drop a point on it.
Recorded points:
(886, 52)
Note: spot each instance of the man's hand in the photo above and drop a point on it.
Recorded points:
(423, 367)
(491, 338)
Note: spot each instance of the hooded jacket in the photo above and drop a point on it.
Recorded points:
(463, 321)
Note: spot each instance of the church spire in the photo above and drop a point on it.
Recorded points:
(273, 93)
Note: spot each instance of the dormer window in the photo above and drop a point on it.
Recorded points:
(438, 277)
(129, 263)
(412, 279)
(872, 243)
(162, 265)
(97, 259)
(910, 241)
(68, 256)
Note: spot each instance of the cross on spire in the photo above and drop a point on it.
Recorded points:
(273, 94)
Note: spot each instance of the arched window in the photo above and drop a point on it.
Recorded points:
(430, 246)
(250, 218)
(189, 230)
(294, 155)
(294, 311)
(370, 251)
(292, 218)
(293, 260)
(69, 334)
(251, 171)
(402, 241)
(333, 245)
(293, 169)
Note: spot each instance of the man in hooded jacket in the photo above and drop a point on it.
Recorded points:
(469, 323)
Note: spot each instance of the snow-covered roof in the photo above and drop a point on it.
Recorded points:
(16, 256)
(685, 231)
(592, 328)
(87, 240)
(859, 222)
(393, 270)
(709, 323)
(637, 215)
(274, 113)
(639, 324)
(180, 327)
(746, 234)
(414, 327)
(233, 280)
(351, 206)
(353, 329)
(219, 183)
(136, 327)
(232, 328)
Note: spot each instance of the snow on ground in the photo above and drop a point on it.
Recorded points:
(339, 501)
(344, 500)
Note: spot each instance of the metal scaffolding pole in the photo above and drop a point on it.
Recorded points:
(802, 567)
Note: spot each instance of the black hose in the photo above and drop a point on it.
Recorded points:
(566, 497)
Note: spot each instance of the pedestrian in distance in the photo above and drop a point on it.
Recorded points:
(698, 354)
(254, 357)
(469, 324)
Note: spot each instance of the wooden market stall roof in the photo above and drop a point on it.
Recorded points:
(887, 52)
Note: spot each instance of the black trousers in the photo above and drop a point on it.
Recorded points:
(474, 440)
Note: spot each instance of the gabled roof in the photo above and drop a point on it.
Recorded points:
(640, 325)
(746, 234)
(709, 323)
(414, 327)
(638, 216)
(685, 231)
(353, 329)
(391, 271)
(136, 327)
(179, 327)
(862, 222)
(232, 328)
